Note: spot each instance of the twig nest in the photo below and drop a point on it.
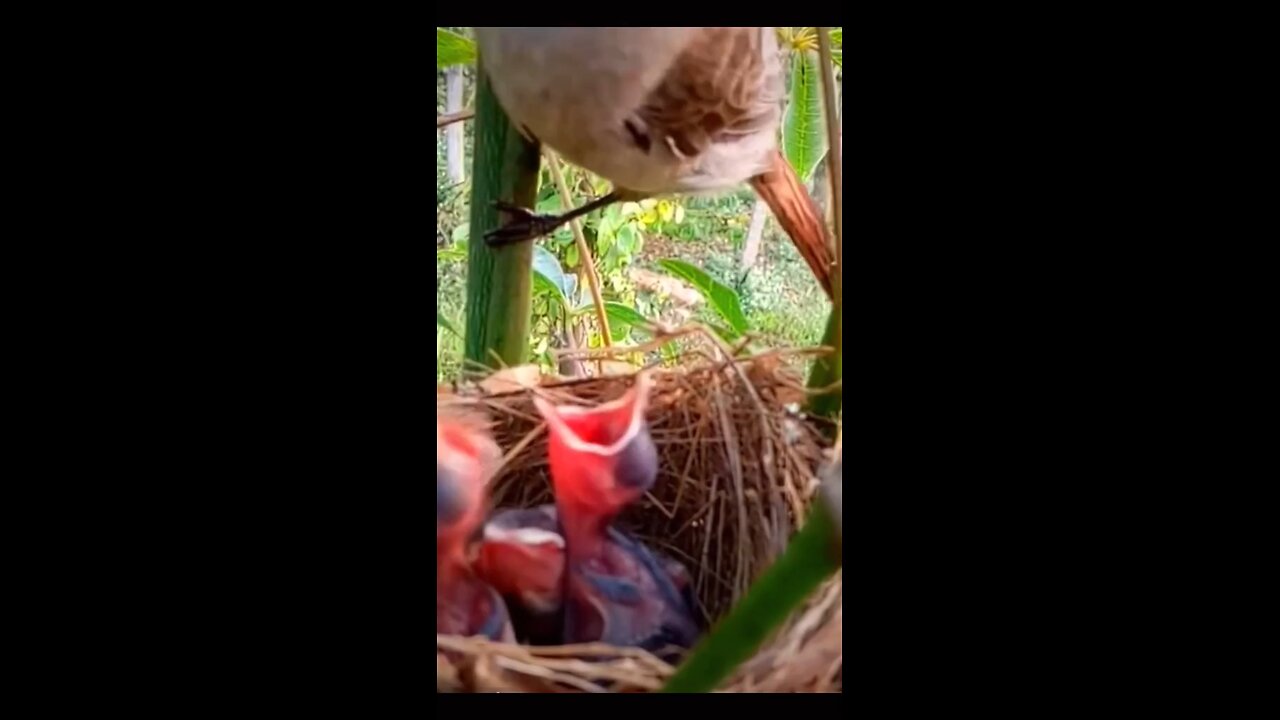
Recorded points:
(738, 472)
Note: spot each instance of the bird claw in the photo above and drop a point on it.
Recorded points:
(523, 225)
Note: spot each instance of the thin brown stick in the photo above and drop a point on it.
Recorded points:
(451, 118)
(584, 252)
(834, 162)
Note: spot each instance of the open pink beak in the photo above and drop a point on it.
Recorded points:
(522, 555)
(601, 458)
(616, 590)
(465, 605)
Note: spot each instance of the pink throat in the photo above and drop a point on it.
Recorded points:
(584, 529)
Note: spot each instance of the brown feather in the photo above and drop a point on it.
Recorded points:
(724, 86)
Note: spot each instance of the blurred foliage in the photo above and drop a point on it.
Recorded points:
(453, 49)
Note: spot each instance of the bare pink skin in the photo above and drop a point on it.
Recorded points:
(465, 604)
(522, 555)
(616, 591)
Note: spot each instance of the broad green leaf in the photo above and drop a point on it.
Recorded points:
(621, 318)
(720, 296)
(462, 233)
(604, 229)
(837, 38)
(605, 239)
(453, 49)
(628, 239)
(803, 137)
(571, 256)
(549, 276)
(443, 322)
(621, 315)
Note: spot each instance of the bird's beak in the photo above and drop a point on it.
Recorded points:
(525, 562)
(602, 457)
(465, 459)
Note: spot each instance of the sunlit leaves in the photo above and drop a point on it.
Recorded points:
(453, 49)
(719, 296)
(803, 135)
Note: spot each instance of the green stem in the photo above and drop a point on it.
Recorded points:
(499, 280)
(812, 556)
(828, 369)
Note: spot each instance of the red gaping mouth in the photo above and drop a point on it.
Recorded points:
(604, 455)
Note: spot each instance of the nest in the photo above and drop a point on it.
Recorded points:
(738, 474)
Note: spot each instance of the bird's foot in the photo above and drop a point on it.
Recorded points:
(523, 225)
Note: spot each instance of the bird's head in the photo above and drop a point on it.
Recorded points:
(601, 458)
(466, 458)
(522, 555)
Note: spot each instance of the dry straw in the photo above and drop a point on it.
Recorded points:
(738, 474)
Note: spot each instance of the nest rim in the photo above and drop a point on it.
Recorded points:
(733, 398)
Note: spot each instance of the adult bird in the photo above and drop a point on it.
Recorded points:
(615, 591)
(655, 110)
(465, 604)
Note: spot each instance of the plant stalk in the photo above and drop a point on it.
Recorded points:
(584, 251)
(827, 370)
(499, 280)
(835, 166)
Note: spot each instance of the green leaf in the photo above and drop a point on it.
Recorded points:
(549, 276)
(605, 228)
(453, 254)
(837, 37)
(803, 135)
(549, 206)
(811, 557)
(720, 296)
(453, 49)
(462, 233)
(628, 239)
(443, 322)
(571, 256)
(622, 315)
